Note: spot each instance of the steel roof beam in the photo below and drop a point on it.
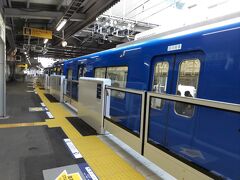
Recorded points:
(28, 3)
(78, 17)
(95, 10)
(31, 13)
(60, 5)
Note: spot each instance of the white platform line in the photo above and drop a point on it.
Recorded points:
(42, 104)
(49, 115)
(71, 107)
(73, 149)
(29, 91)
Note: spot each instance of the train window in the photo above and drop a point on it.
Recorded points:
(159, 83)
(51, 71)
(100, 73)
(118, 76)
(187, 85)
(69, 74)
(58, 71)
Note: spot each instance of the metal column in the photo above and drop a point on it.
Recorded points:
(2, 79)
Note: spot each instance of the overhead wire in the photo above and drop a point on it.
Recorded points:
(160, 10)
(137, 7)
(145, 10)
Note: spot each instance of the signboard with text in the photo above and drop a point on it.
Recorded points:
(40, 33)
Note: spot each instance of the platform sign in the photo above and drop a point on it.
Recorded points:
(87, 171)
(41, 33)
(73, 149)
(99, 91)
(22, 66)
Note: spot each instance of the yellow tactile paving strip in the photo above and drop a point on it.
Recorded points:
(22, 125)
(102, 159)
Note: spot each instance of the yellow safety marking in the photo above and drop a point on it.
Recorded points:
(65, 176)
(74, 176)
(62, 176)
(23, 125)
(101, 158)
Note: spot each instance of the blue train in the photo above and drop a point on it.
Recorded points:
(203, 64)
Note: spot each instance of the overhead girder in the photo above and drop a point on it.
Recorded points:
(31, 13)
(84, 15)
(97, 8)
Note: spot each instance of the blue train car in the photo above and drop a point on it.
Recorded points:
(57, 69)
(204, 64)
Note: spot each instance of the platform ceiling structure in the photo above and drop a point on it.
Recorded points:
(46, 14)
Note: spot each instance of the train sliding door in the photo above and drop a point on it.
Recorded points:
(81, 70)
(170, 125)
(182, 116)
(81, 73)
(162, 68)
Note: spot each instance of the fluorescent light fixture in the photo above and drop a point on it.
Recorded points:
(64, 43)
(29, 62)
(45, 41)
(61, 24)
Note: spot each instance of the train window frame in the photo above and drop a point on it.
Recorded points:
(100, 68)
(106, 67)
(117, 94)
(197, 84)
(106, 71)
(118, 67)
(162, 100)
(58, 71)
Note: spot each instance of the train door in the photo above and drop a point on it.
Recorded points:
(69, 79)
(171, 124)
(81, 71)
(182, 116)
(162, 74)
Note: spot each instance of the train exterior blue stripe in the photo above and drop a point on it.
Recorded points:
(211, 135)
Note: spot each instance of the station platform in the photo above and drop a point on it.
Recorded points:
(39, 141)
